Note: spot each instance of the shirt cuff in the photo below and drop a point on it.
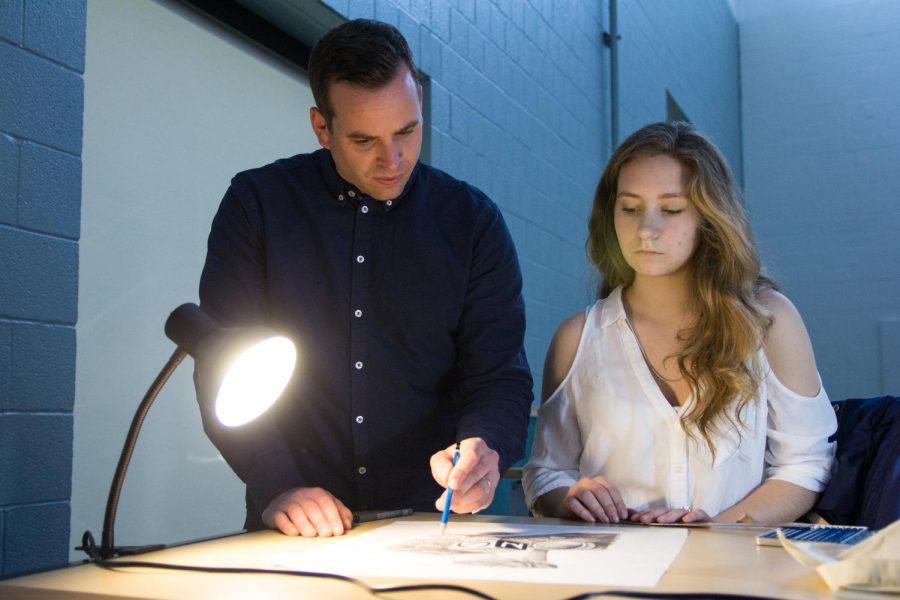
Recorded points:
(537, 481)
(271, 475)
(811, 477)
(492, 443)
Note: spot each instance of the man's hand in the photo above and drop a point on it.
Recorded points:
(670, 515)
(593, 499)
(309, 512)
(473, 480)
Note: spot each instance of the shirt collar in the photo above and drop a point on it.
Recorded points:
(613, 309)
(343, 191)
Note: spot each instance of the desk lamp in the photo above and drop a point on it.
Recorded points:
(247, 367)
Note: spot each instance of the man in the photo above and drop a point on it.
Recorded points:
(400, 286)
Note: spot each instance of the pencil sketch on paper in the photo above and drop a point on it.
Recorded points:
(521, 552)
(506, 549)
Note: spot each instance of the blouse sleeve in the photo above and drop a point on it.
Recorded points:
(556, 449)
(798, 427)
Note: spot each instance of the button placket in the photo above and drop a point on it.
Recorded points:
(364, 222)
(678, 451)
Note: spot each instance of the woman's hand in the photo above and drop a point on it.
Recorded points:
(593, 499)
(669, 515)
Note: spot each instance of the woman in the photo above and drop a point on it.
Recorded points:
(688, 392)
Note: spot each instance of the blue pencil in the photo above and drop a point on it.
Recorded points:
(445, 516)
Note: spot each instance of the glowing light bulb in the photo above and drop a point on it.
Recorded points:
(255, 380)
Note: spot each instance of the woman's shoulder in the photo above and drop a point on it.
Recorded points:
(787, 324)
(787, 345)
(777, 303)
(563, 350)
(561, 353)
(569, 331)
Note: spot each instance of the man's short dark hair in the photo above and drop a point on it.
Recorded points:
(362, 52)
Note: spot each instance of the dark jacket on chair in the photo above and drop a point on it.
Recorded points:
(865, 484)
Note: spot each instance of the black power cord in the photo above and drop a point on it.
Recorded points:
(377, 591)
(668, 595)
(122, 564)
(90, 548)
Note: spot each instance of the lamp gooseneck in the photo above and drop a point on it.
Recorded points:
(107, 543)
(196, 333)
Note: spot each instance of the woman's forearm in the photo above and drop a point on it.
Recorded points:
(548, 504)
(775, 501)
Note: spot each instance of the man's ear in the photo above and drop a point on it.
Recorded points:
(320, 127)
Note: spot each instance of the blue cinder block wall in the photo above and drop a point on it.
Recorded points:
(690, 51)
(41, 66)
(822, 149)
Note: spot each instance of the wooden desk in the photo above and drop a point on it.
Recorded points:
(710, 561)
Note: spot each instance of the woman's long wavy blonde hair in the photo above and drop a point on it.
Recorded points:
(719, 356)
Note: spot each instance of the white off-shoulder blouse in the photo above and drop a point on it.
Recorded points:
(608, 417)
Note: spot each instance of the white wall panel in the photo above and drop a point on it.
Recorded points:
(174, 106)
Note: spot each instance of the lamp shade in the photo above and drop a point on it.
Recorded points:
(248, 367)
(255, 380)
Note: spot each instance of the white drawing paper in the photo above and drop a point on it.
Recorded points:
(603, 556)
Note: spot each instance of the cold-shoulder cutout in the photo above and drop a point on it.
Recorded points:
(561, 354)
(787, 345)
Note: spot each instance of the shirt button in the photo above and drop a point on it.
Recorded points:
(358, 365)
(359, 419)
(360, 259)
(340, 197)
(357, 313)
(364, 209)
(351, 193)
(679, 469)
(390, 202)
(361, 470)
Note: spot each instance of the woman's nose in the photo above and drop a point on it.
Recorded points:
(650, 225)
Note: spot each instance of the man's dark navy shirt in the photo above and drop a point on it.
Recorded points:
(408, 318)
